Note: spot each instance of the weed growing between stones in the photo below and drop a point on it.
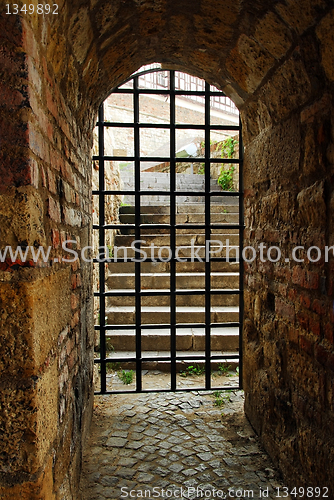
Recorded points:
(222, 397)
(192, 370)
(126, 376)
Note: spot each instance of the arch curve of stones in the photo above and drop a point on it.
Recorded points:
(276, 62)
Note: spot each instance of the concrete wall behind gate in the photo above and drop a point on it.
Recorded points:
(276, 63)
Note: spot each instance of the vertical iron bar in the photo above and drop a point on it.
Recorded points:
(102, 265)
(207, 211)
(241, 264)
(172, 235)
(137, 235)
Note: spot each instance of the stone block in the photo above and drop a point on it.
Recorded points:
(32, 489)
(273, 35)
(35, 314)
(325, 33)
(284, 310)
(312, 207)
(21, 217)
(27, 436)
(81, 34)
(248, 63)
(300, 15)
(267, 159)
(288, 89)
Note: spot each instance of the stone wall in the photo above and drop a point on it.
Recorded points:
(275, 60)
(111, 215)
(46, 307)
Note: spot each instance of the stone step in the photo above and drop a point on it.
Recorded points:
(126, 231)
(162, 240)
(193, 208)
(181, 300)
(194, 218)
(229, 203)
(223, 340)
(184, 281)
(164, 267)
(195, 253)
(155, 199)
(125, 315)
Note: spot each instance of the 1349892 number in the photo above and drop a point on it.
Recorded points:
(302, 492)
(40, 8)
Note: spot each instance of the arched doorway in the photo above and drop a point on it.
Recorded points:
(170, 281)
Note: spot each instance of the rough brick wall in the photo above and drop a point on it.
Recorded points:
(276, 63)
(46, 307)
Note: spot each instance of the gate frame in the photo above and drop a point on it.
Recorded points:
(173, 292)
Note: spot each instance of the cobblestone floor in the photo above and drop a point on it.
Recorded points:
(175, 445)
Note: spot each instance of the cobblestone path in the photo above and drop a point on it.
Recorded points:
(174, 445)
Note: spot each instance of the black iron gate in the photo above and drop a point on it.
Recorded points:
(167, 88)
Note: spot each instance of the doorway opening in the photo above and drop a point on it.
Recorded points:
(169, 228)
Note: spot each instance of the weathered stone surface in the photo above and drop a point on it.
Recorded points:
(300, 15)
(54, 74)
(27, 438)
(39, 311)
(81, 34)
(289, 88)
(34, 489)
(312, 207)
(249, 63)
(325, 33)
(273, 35)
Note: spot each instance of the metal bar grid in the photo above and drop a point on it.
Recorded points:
(173, 292)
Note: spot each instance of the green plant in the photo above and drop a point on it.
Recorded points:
(218, 399)
(122, 204)
(227, 149)
(222, 397)
(192, 370)
(201, 169)
(224, 370)
(225, 179)
(126, 376)
(237, 370)
(111, 251)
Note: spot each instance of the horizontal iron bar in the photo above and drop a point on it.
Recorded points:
(167, 226)
(154, 391)
(166, 326)
(162, 193)
(166, 358)
(147, 293)
(180, 126)
(156, 159)
(200, 93)
(231, 260)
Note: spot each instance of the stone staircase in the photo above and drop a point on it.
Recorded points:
(160, 181)
(190, 309)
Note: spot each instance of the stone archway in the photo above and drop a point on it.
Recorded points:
(276, 64)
